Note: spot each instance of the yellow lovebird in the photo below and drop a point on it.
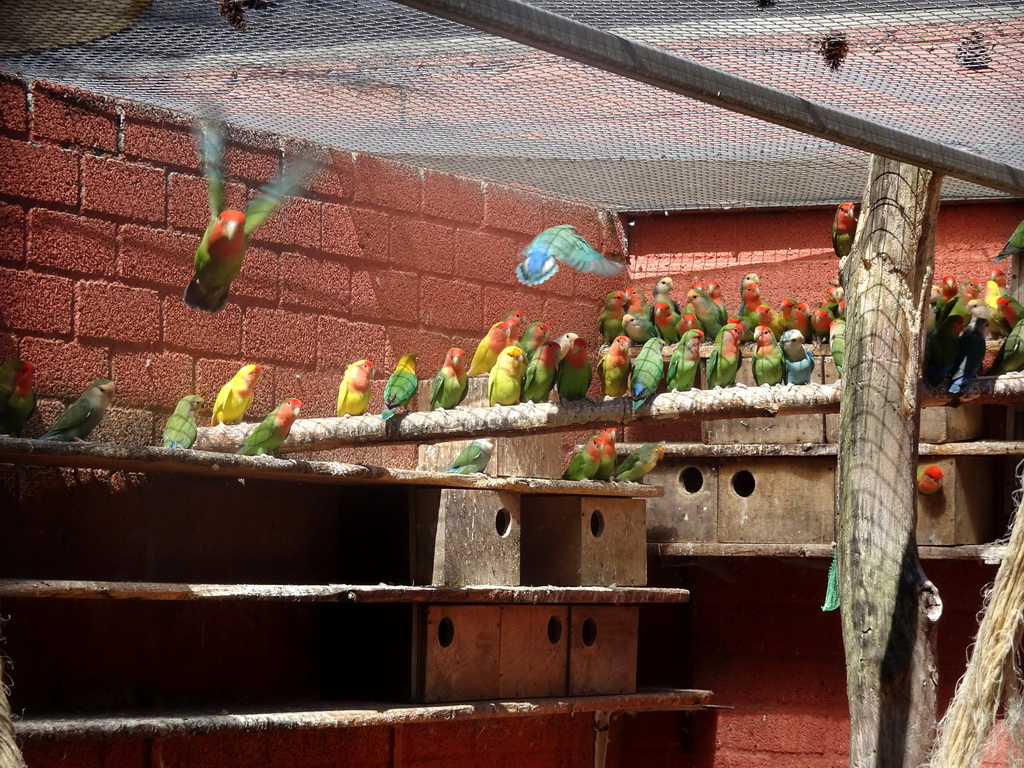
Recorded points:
(234, 398)
(489, 347)
(354, 391)
(506, 378)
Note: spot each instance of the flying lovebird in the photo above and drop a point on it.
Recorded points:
(539, 379)
(724, 363)
(220, 254)
(561, 243)
(844, 227)
(451, 383)
(798, 360)
(180, 429)
(272, 431)
(684, 364)
(970, 354)
(587, 461)
(572, 379)
(641, 461)
(487, 350)
(401, 386)
(609, 323)
(17, 400)
(473, 458)
(767, 360)
(505, 383)
(1014, 245)
(235, 397)
(613, 368)
(84, 414)
(929, 480)
(354, 390)
(648, 369)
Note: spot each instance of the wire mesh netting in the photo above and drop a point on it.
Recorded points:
(377, 77)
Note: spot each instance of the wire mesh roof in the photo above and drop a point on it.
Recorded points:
(378, 77)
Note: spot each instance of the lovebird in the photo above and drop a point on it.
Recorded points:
(401, 386)
(561, 243)
(516, 318)
(220, 253)
(641, 461)
(17, 400)
(487, 350)
(767, 360)
(663, 293)
(684, 364)
(798, 363)
(724, 362)
(534, 336)
(837, 342)
(940, 349)
(1010, 357)
(84, 414)
(572, 380)
(821, 321)
(180, 429)
(451, 383)
(844, 227)
(639, 329)
(774, 320)
(648, 368)
(1014, 245)
(272, 431)
(797, 316)
(235, 397)
(354, 390)
(564, 343)
(505, 383)
(587, 461)
(929, 480)
(710, 315)
(606, 468)
(970, 354)
(473, 458)
(613, 368)
(609, 324)
(667, 322)
(636, 303)
(686, 323)
(540, 374)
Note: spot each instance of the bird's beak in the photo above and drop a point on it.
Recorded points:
(230, 228)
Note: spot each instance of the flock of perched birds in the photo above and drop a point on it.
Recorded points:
(524, 364)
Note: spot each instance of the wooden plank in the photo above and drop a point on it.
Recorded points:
(602, 650)
(701, 450)
(534, 651)
(461, 653)
(689, 509)
(354, 715)
(669, 551)
(340, 593)
(142, 458)
(962, 512)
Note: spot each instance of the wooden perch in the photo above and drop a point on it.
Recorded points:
(506, 421)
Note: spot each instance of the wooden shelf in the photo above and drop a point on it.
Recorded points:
(666, 552)
(351, 716)
(705, 450)
(337, 593)
(136, 458)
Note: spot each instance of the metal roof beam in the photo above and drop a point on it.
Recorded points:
(580, 42)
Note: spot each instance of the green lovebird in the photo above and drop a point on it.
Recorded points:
(84, 414)
(684, 364)
(710, 315)
(474, 457)
(17, 400)
(609, 324)
(534, 336)
(401, 386)
(844, 227)
(574, 372)
(606, 468)
(272, 431)
(641, 461)
(1014, 245)
(1010, 357)
(613, 368)
(836, 343)
(180, 430)
(767, 361)
(540, 373)
(799, 360)
(505, 381)
(662, 294)
(666, 321)
(648, 369)
(940, 349)
(639, 329)
(451, 382)
(724, 362)
(221, 252)
(970, 354)
(585, 464)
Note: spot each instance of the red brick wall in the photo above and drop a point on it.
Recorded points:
(102, 204)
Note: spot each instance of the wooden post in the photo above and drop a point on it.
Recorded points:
(889, 608)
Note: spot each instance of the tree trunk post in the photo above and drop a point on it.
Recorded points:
(889, 608)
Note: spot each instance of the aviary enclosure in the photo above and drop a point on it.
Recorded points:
(261, 211)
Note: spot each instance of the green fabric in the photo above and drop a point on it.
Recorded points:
(832, 589)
